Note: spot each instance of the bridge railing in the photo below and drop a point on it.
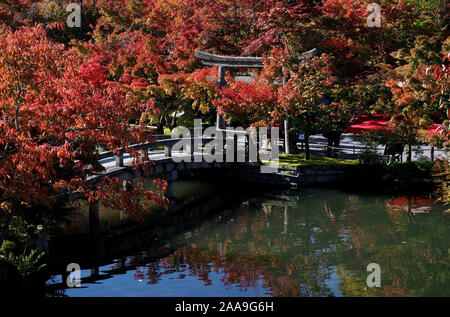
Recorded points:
(167, 142)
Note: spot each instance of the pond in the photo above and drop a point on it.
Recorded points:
(314, 242)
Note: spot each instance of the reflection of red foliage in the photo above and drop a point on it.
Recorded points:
(403, 201)
(139, 275)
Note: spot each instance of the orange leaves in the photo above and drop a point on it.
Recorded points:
(265, 101)
(441, 76)
(248, 101)
(65, 106)
(351, 13)
(64, 154)
(198, 88)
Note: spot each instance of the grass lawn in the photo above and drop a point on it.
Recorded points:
(299, 160)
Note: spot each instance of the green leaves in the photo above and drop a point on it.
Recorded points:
(27, 264)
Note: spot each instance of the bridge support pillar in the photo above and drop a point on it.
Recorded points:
(119, 159)
(127, 187)
(173, 175)
(95, 272)
(94, 219)
(168, 150)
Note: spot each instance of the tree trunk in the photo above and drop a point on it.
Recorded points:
(409, 157)
(329, 146)
(307, 154)
(337, 141)
(307, 134)
(293, 138)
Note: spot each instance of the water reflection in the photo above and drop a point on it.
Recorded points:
(317, 243)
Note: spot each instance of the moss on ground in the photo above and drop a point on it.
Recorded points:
(299, 160)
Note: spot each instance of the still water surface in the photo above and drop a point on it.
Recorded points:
(311, 243)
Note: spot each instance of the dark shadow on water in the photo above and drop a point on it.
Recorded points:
(268, 242)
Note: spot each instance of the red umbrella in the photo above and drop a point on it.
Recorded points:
(433, 129)
(360, 118)
(369, 125)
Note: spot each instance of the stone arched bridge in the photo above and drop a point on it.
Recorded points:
(168, 163)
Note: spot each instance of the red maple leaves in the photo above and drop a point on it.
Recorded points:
(56, 107)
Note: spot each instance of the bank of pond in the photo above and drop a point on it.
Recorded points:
(231, 237)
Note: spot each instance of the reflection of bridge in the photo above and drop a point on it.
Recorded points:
(278, 212)
(121, 266)
(170, 155)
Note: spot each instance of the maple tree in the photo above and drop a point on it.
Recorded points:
(441, 89)
(410, 95)
(192, 95)
(56, 107)
(301, 96)
(17, 13)
(247, 104)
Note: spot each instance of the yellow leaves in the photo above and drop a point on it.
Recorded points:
(25, 204)
(202, 105)
(5, 206)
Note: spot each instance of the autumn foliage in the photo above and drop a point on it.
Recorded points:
(64, 92)
(56, 108)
